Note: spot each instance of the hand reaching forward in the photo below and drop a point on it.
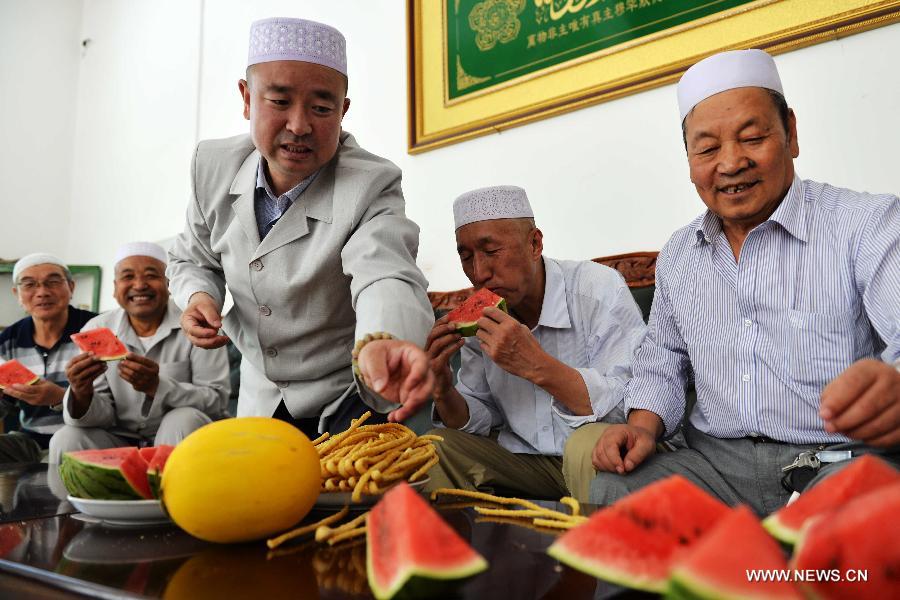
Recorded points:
(399, 372)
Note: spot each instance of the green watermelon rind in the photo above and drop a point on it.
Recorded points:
(97, 485)
(682, 587)
(606, 573)
(97, 482)
(470, 328)
(780, 531)
(412, 574)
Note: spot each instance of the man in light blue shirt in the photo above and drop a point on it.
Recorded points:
(558, 361)
(779, 303)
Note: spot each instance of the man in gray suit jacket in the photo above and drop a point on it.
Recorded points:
(308, 232)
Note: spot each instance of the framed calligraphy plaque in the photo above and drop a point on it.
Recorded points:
(480, 66)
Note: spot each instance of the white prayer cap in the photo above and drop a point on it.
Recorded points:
(141, 249)
(726, 71)
(496, 202)
(297, 39)
(38, 258)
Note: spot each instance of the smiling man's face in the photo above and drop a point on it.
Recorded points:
(295, 110)
(141, 287)
(740, 156)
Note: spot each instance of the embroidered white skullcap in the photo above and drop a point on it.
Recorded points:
(141, 249)
(726, 71)
(281, 38)
(496, 202)
(38, 258)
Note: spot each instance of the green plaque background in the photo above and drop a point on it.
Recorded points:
(490, 42)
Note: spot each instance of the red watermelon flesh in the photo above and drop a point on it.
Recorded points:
(108, 474)
(147, 453)
(13, 372)
(102, 342)
(156, 466)
(407, 539)
(863, 475)
(716, 566)
(636, 541)
(466, 315)
(861, 535)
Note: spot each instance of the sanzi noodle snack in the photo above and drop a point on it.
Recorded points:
(368, 459)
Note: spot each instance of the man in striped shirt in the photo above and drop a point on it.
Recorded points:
(779, 303)
(40, 341)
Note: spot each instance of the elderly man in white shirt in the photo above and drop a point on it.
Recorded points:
(164, 388)
(559, 361)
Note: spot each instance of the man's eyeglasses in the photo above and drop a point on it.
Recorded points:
(51, 283)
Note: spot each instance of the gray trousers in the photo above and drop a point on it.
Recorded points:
(734, 470)
(176, 425)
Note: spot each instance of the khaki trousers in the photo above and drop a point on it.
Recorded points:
(478, 463)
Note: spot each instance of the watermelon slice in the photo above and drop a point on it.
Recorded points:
(13, 372)
(856, 547)
(408, 544)
(102, 342)
(636, 541)
(109, 474)
(156, 466)
(863, 475)
(716, 567)
(466, 315)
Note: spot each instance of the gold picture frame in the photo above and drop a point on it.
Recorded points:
(776, 26)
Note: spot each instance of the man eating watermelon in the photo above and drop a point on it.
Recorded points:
(557, 363)
(308, 232)
(779, 303)
(43, 286)
(162, 389)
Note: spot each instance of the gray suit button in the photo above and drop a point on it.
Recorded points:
(282, 384)
(271, 352)
(265, 310)
(256, 265)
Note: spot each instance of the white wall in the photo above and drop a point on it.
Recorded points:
(606, 179)
(136, 126)
(39, 54)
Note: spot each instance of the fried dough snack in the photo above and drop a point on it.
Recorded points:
(367, 459)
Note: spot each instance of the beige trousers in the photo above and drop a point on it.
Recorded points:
(474, 462)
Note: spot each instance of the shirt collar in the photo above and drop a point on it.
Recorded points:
(789, 215)
(292, 194)
(555, 309)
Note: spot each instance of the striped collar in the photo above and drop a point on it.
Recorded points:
(790, 214)
(555, 309)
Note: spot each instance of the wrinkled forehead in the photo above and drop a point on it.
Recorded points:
(294, 74)
(480, 233)
(739, 104)
(140, 264)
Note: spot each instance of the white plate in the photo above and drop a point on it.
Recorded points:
(338, 500)
(121, 512)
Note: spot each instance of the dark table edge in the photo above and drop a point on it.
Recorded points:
(65, 582)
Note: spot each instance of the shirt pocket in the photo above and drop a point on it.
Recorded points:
(179, 370)
(820, 347)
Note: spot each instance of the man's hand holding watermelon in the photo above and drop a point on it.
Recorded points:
(39, 393)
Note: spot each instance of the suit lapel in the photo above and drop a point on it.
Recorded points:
(244, 186)
(315, 203)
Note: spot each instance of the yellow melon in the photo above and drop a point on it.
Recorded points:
(241, 479)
